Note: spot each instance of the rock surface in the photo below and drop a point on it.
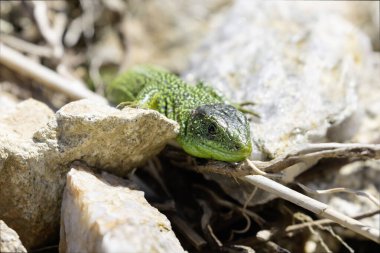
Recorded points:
(103, 214)
(36, 148)
(9, 240)
(31, 182)
(369, 103)
(298, 68)
(301, 71)
(108, 138)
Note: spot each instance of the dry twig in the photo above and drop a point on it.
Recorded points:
(312, 151)
(341, 189)
(51, 32)
(45, 76)
(313, 206)
(25, 46)
(295, 227)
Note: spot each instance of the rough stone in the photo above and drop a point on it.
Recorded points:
(103, 214)
(36, 149)
(30, 182)
(111, 139)
(9, 240)
(369, 103)
(299, 69)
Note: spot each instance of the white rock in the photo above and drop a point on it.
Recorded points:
(102, 214)
(9, 240)
(369, 98)
(300, 67)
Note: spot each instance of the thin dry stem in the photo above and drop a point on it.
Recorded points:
(308, 155)
(257, 171)
(331, 231)
(25, 46)
(216, 239)
(51, 32)
(341, 189)
(295, 227)
(45, 76)
(303, 217)
(313, 206)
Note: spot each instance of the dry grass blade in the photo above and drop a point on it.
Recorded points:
(314, 206)
(320, 151)
(327, 221)
(341, 189)
(223, 202)
(331, 231)
(257, 171)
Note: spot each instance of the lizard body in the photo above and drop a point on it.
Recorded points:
(209, 127)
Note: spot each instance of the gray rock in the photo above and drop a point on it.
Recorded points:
(111, 139)
(369, 102)
(31, 182)
(36, 148)
(9, 240)
(299, 68)
(103, 214)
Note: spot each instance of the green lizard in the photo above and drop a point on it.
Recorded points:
(209, 127)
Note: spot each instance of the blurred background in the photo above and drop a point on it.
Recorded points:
(90, 41)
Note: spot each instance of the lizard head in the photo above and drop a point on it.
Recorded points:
(217, 131)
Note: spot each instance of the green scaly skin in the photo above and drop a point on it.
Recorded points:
(209, 127)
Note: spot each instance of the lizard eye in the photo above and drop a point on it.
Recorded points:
(211, 129)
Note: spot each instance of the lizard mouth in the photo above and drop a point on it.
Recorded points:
(209, 152)
(231, 156)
